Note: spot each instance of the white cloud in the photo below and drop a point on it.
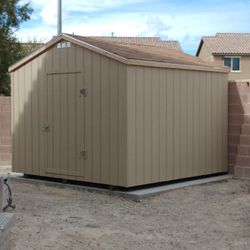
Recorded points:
(49, 12)
(186, 26)
(48, 9)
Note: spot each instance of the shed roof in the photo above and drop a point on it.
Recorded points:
(131, 54)
(227, 43)
(153, 41)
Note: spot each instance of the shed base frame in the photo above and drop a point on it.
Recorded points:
(134, 193)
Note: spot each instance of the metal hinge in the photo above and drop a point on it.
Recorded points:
(84, 154)
(83, 91)
(45, 127)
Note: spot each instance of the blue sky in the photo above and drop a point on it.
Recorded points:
(181, 20)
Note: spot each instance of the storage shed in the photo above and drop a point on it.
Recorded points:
(117, 114)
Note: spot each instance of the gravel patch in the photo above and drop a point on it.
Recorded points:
(209, 216)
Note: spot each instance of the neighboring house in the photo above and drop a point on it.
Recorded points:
(151, 41)
(229, 49)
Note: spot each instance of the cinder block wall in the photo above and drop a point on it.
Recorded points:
(239, 128)
(5, 130)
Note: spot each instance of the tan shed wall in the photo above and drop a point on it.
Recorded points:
(139, 125)
(105, 115)
(177, 124)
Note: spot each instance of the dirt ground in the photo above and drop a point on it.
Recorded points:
(210, 216)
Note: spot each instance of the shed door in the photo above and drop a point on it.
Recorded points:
(65, 125)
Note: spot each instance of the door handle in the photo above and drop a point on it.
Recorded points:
(45, 127)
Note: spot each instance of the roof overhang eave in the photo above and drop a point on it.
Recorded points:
(220, 69)
(230, 53)
(199, 48)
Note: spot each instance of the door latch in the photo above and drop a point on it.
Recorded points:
(83, 154)
(83, 91)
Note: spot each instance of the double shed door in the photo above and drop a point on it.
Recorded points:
(64, 127)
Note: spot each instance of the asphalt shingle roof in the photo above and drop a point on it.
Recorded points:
(153, 41)
(143, 52)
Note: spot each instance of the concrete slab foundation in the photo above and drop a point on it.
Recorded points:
(135, 194)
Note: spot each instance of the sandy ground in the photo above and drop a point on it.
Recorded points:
(210, 216)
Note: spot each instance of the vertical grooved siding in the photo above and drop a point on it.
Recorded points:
(87, 75)
(225, 122)
(162, 125)
(139, 126)
(99, 126)
(169, 124)
(176, 124)
(96, 119)
(105, 120)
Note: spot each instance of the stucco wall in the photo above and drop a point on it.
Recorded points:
(244, 68)
(205, 54)
(5, 130)
(239, 128)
